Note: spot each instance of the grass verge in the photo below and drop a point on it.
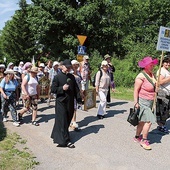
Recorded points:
(123, 93)
(13, 152)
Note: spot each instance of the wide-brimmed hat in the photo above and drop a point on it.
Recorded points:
(9, 71)
(74, 62)
(67, 63)
(34, 69)
(56, 63)
(146, 61)
(104, 63)
(107, 56)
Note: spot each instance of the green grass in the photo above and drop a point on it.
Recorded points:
(13, 152)
(123, 93)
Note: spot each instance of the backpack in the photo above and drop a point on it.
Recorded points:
(94, 78)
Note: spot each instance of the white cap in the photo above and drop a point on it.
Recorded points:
(2, 66)
(86, 57)
(15, 69)
(56, 63)
(104, 63)
(21, 62)
(42, 65)
(74, 62)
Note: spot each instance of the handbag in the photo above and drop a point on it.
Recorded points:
(133, 116)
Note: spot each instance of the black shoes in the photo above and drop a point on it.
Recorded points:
(68, 145)
(100, 116)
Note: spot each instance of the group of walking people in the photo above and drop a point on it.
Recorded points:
(68, 82)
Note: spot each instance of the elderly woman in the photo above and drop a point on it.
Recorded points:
(144, 93)
(102, 84)
(8, 88)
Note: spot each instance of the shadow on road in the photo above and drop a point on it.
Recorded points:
(40, 117)
(155, 136)
(75, 136)
(111, 113)
(117, 103)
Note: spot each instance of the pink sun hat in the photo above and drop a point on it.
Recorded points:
(146, 61)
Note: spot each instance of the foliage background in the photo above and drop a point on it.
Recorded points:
(125, 29)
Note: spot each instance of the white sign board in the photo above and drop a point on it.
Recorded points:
(163, 39)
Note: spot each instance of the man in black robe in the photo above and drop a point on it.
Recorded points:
(65, 87)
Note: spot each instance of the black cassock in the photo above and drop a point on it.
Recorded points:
(64, 106)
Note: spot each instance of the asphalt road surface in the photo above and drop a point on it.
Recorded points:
(100, 145)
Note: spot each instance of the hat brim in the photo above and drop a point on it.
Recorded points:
(10, 72)
(33, 71)
(143, 65)
(107, 58)
(68, 65)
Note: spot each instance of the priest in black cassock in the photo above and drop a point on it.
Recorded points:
(65, 87)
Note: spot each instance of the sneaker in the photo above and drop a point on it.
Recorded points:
(100, 116)
(163, 129)
(145, 144)
(16, 124)
(4, 119)
(74, 125)
(137, 139)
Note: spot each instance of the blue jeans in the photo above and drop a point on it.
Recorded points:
(9, 104)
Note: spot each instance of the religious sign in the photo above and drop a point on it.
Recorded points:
(90, 99)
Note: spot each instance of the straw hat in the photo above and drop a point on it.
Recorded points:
(34, 69)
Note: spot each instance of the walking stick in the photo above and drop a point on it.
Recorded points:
(157, 82)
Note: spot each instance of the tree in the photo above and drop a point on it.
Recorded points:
(18, 40)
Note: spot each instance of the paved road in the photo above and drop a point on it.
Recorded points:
(100, 145)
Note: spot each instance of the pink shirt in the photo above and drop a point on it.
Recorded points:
(147, 90)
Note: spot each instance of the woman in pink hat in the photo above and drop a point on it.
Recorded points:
(144, 93)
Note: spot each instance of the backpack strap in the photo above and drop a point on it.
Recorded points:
(101, 74)
(147, 77)
(28, 77)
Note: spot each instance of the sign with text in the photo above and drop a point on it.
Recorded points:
(163, 43)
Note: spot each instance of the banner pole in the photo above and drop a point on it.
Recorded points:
(157, 82)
